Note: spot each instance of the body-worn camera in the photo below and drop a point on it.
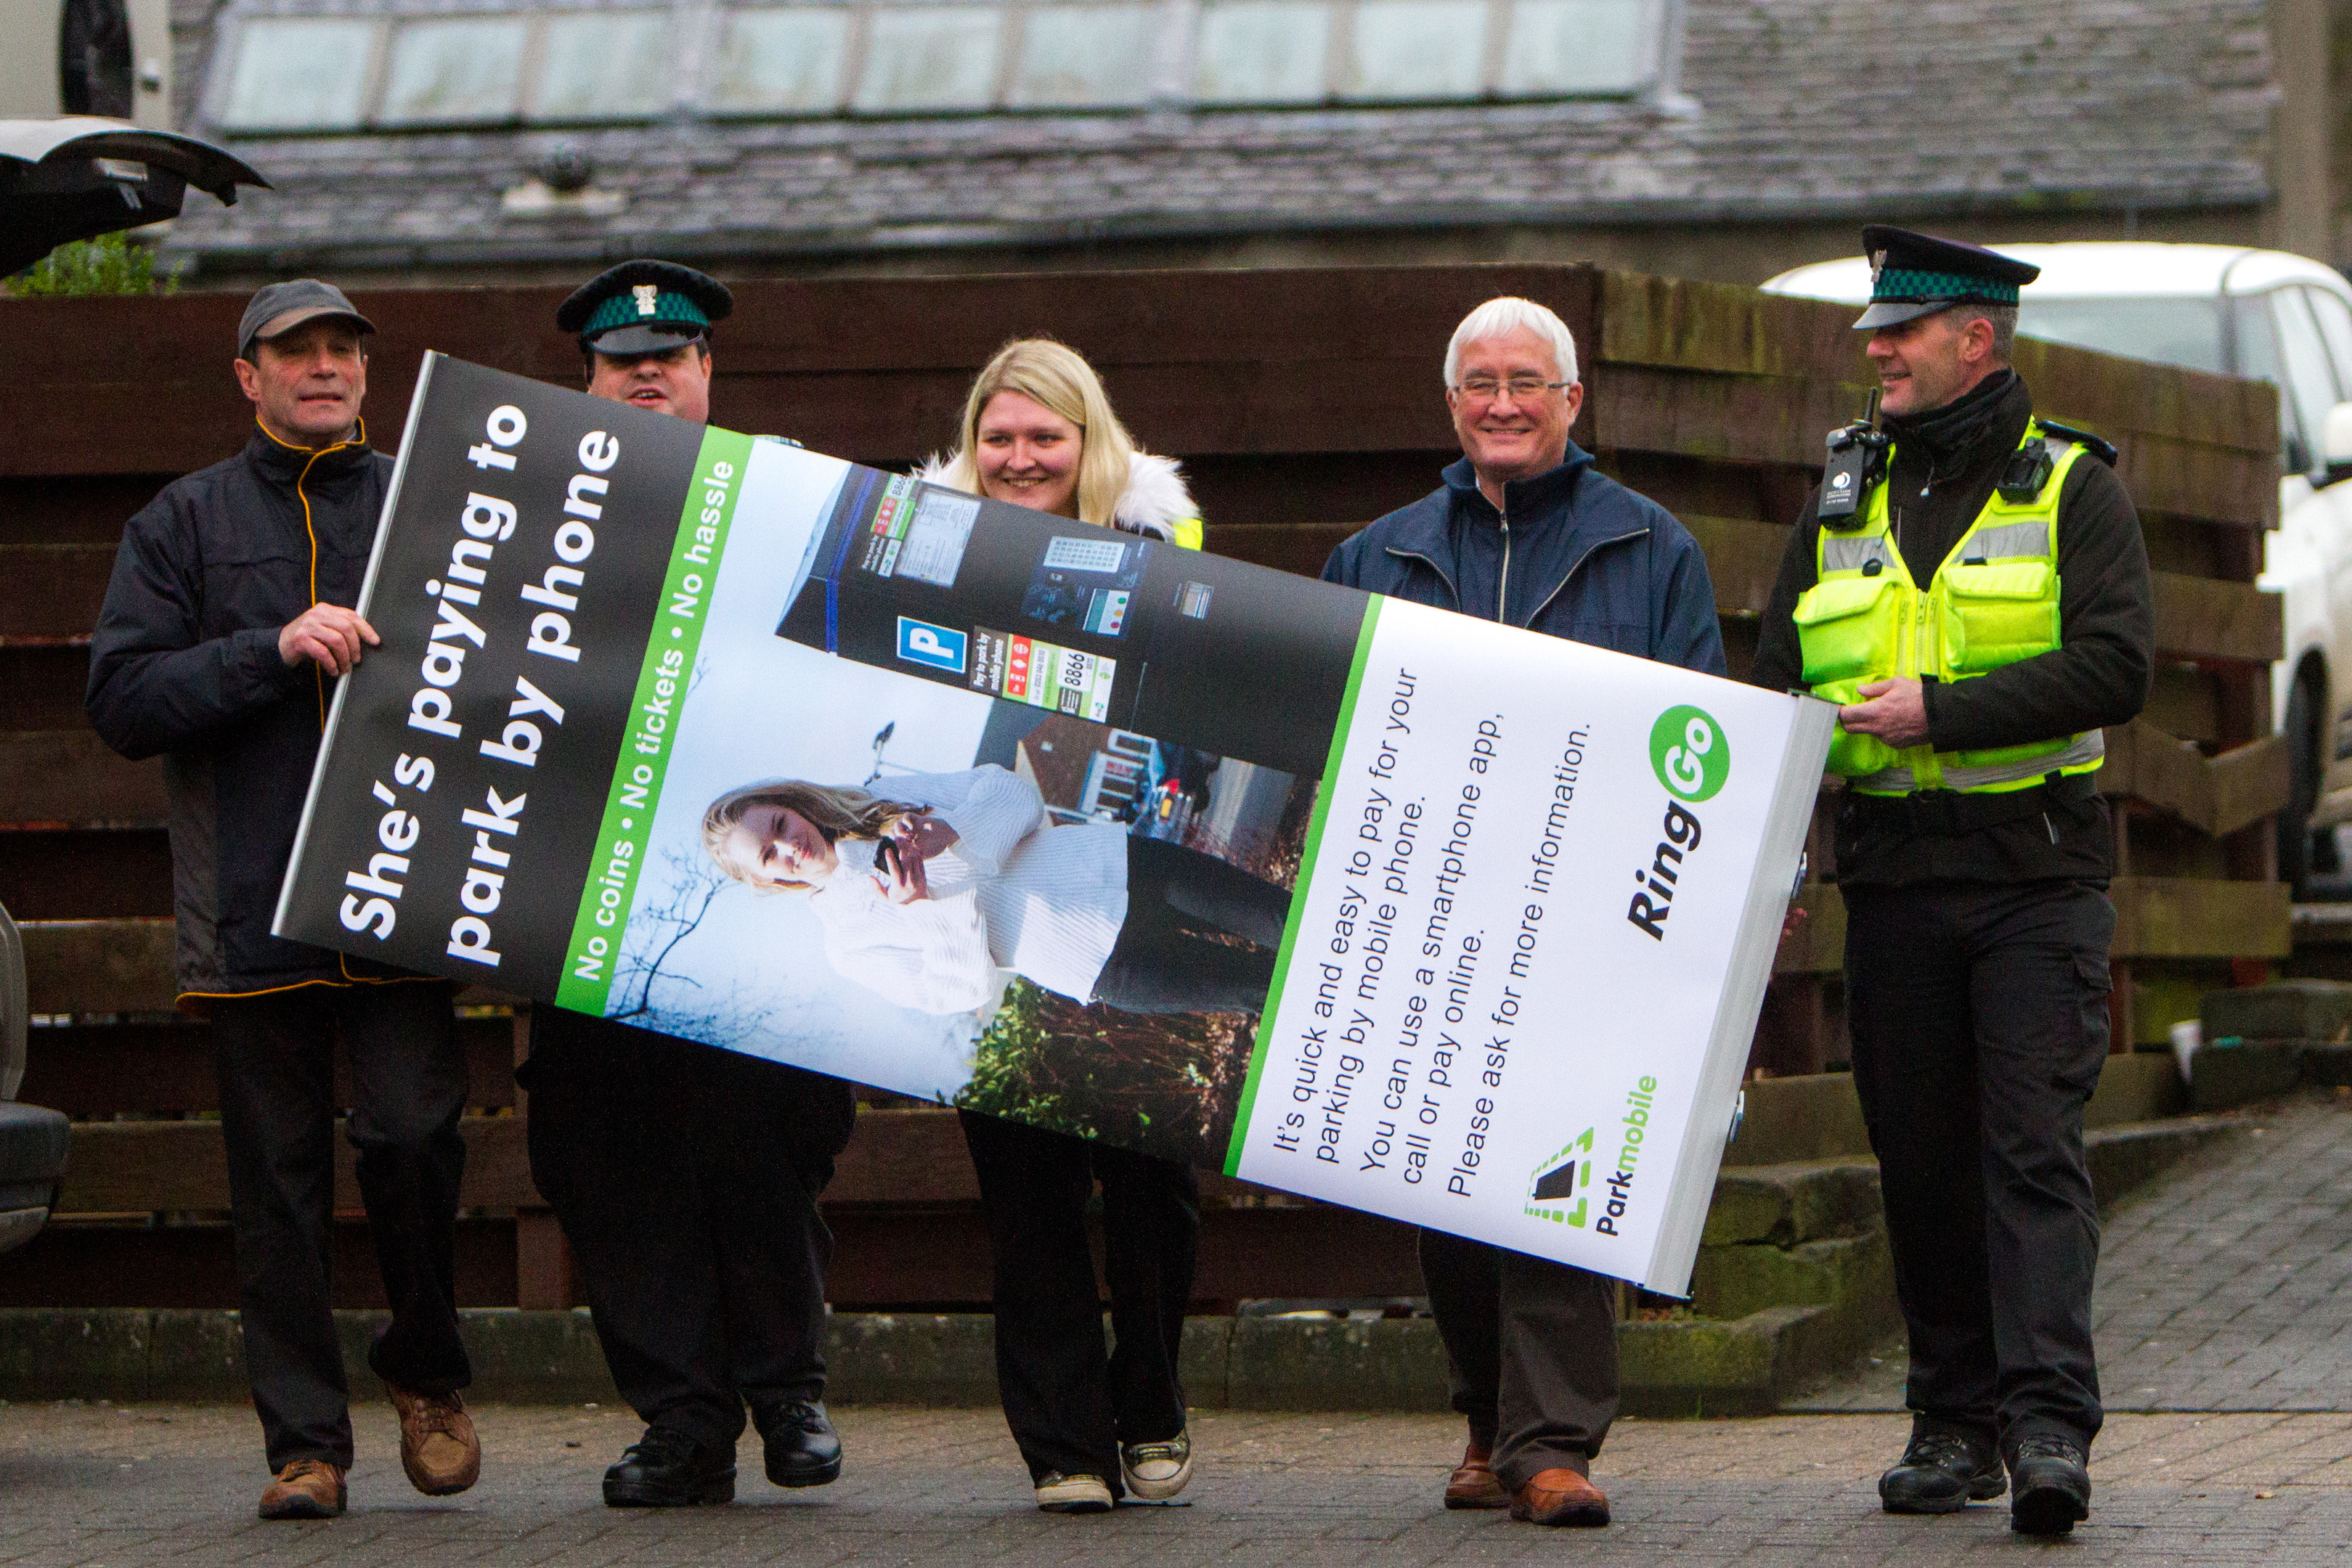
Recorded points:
(1857, 458)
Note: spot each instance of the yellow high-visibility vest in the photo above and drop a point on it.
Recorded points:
(1993, 601)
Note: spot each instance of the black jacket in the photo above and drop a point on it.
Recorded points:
(2098, 676)
(184, 665)
(1589, 559)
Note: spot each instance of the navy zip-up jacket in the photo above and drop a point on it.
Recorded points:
(184, 665)
(1583, 557)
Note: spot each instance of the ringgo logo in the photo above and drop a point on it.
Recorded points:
(1689, 753)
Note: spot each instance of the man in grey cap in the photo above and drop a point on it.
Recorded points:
(226, 623)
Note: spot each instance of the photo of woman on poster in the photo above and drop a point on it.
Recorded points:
(931, 894)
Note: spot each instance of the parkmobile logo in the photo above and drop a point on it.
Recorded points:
(1560, 1188)
(1563, 1177)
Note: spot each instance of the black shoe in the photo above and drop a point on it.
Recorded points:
(667, 1468)
(2053, 1481)
(1940, 1472)
(803, 1450)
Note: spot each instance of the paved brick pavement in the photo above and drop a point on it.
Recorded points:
(2226, 1286)
(97, 1486)
(2222, 1319)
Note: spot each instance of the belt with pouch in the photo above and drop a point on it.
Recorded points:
(1948, 813)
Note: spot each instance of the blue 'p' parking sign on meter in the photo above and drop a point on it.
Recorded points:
(940, 647)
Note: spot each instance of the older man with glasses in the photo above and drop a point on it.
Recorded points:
(1524, 530)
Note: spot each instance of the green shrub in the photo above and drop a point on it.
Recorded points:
(107, 265)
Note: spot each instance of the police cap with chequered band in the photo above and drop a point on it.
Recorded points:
(1914, 275)
(644, 307)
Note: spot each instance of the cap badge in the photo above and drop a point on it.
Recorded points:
(1878, 264)
(646, 293)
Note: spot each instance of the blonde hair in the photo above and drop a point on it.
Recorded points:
(1055, 376)
(836, 810)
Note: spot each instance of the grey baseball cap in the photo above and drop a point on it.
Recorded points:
(282, 307)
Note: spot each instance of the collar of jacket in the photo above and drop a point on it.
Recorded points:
(1535, 498)
(285, 463)
(1426, 535)
(1988, 420)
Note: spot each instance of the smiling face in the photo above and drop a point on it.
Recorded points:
(1507, 437)
(777, 847)
(674, 381)
(307, 383)
(1930, 361)
(1028, 454)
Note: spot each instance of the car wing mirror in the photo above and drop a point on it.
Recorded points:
(2336, 443)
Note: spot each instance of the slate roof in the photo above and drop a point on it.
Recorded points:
(1786, 108)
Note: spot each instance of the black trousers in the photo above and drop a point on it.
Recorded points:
(1979, 1021)
(276, 1057)
(686, 1178)
(1162, 962)
(1530, 1353)
(1070, 1404)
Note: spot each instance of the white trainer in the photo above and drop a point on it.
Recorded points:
(1058, 1493)
(1156, 1471)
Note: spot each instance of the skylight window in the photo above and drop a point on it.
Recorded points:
(300, 73)
(1573, 47)
(782, 61)
(931, 58)
(604, 65)
(1085, 56)
(1262, 51)
(1402, 50)
(627, 61)
(455, 72)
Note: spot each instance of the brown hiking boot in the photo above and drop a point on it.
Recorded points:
(1561, 1497)
(437, 1445)
(1472, 1482)
(305, 1489)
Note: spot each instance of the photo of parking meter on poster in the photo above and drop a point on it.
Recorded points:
(1364, 901)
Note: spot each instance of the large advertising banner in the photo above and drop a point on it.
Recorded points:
(707, 734)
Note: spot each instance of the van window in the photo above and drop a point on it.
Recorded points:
(2171, 331)
(2335, 330)
(2258, 360)
(2310, 385)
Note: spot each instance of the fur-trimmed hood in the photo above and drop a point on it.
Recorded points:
(1155, 501)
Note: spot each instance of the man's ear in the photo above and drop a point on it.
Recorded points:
(249, 379)
(1976, 341)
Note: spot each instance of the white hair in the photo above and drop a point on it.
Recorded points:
(1499, 318)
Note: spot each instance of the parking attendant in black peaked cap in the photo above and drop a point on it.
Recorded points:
(685, 1177)
(1969, 586)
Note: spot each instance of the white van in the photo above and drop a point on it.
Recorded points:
(2264, 315)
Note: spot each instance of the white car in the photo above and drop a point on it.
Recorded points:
(2267, 315)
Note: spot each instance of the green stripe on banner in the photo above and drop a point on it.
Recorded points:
(603, 918)
(1305, 880)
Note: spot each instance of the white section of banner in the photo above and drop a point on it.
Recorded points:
(1544, 906)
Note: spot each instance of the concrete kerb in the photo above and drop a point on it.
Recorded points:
(1672, 1367)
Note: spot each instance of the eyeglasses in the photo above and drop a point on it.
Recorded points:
(1485, 388)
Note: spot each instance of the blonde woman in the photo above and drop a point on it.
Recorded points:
(931, 895)
(1037, 430)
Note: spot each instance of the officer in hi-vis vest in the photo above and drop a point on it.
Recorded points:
(1970, 586)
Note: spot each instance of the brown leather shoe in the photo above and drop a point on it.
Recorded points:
(1561, 1497)
(1472, 1482)
(437, 1445)
(305, 1489)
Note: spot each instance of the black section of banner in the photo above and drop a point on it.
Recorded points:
(1227, 657)
(440, 851)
